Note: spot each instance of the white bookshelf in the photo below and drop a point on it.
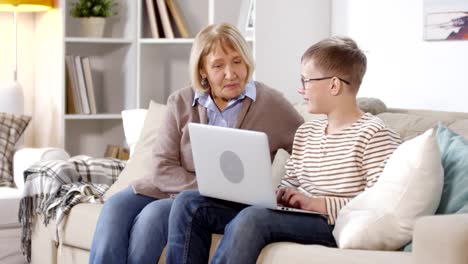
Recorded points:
(130, 68)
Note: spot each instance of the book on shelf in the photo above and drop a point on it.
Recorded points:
(116, 152)
(82, 85)
(112, 151)
(165, 20)
(89, 84)
(70, 104)
(72, 88)
(124, 154)
(179, 19)
(70, 97)
(153, 21)
(80, 94)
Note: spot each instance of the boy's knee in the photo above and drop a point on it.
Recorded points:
(187, 200)
(252, 217)
(188, 194)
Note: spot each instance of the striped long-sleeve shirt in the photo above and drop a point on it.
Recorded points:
(339, 166)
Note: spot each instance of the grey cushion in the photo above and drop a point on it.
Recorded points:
(371, 105)
(408, 125)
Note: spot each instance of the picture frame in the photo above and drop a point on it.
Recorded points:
(445, 20)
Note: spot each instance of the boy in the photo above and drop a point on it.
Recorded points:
(332, 161)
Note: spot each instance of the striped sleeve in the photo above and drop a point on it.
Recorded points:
(376, 153)
(290, 178)
(378, 150)
(334, 205)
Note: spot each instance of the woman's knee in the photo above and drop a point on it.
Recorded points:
(112, 208)
(158, 210)
(122, 207)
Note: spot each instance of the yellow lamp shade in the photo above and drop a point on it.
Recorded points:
(25, 5)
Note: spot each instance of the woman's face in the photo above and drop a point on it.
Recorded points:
(226, 72)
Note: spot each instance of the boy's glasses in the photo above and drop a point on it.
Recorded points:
(305, 81)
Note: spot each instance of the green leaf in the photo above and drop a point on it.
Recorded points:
(95, 8)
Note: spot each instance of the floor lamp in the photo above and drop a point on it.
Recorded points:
(15, 98)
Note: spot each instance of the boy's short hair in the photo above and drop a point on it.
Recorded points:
(226, 36)
(338, 56)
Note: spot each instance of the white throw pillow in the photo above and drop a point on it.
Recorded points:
(410, 186)
(133, 121)
(278, 169)
(140, 164)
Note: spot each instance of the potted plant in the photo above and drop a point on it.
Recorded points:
(92, 15)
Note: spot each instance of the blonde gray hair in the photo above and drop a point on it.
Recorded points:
(226, 36)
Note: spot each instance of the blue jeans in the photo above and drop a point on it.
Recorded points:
(131, 228)
(247, 230)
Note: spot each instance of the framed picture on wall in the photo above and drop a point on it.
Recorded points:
(445, 20)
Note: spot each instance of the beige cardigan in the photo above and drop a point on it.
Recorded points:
(173, 169)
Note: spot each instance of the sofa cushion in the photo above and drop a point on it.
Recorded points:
(11, 128)
(460, 127)
(410, 186)
(80, 224)
(454, 153)
(140, 164)
(287, 252)
(280, 252)
(408, 125)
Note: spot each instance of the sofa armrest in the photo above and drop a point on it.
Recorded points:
(25, 157)
(441, 239)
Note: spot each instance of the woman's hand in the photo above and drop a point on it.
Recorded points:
(291, 197)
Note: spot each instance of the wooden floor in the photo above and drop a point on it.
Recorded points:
(10, 252)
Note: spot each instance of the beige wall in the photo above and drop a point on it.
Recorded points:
(38, 41)
(26, 58)
(404, 70)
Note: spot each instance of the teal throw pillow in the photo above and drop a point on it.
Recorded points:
(454, 153)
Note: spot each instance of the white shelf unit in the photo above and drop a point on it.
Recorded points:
(130, 68)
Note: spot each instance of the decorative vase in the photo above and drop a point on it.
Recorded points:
(92, 27)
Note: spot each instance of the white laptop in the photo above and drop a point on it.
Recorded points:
(234, 165)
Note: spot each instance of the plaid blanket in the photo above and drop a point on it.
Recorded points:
(53, 187)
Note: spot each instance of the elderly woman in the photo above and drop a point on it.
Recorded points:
(133, 224)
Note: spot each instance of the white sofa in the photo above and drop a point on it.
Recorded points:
(10, 231)
(436, 239)
(11, 101)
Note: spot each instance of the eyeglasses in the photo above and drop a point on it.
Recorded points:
(304, 81)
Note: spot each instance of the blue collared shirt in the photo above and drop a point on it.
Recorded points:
(227, 117)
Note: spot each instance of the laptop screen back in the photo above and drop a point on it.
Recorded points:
(233, 164)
